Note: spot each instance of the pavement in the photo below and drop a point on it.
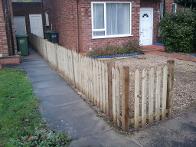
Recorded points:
(65, 111)
(159, 50)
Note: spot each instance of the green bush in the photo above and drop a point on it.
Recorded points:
(130, 47)
(178, 31)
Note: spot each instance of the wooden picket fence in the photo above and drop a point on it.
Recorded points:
(131, 98)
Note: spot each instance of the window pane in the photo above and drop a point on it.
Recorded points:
(99, 33)
(111, 19)
(98, 16)
(123, 18)
(118, 18)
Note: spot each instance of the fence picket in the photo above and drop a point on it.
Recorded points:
(144, 94)
(158, 96)
(114, 84)
(170, 83)
(125, 98)
(164, 91)
(117, 95)
(151, 95)
(106, 89)
(137, 97)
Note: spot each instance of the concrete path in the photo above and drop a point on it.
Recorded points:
(65, 111)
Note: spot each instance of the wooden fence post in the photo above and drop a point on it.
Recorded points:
(170, 82)
(56, 57)
(73, 68)
(110, 65)
(137, 97)
(125, 98)
(46, 51)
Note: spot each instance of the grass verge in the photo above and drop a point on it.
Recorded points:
(20, 120)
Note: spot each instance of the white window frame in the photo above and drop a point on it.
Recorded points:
(47, 21)
(161, 10)
(175, 8)
(105, 21)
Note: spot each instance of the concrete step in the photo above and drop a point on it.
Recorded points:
(152, 48)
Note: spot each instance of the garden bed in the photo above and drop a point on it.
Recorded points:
(133, 54)
(132, 49)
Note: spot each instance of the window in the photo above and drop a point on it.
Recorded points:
(174, 8)
(47, 19)
(111, 19)
(161, 10)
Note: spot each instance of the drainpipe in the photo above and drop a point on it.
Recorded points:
(78, 27)
(164, 7)
(8, 25)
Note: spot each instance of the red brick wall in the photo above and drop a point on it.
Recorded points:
(86, 42)
(63, 17)
(3, 37)
(10, 60)
(168, 5)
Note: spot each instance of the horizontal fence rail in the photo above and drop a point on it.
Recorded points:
(131, 98)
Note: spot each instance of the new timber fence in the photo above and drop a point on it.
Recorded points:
(131, 98)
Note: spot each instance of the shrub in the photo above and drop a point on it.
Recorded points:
(178, 31)
(130, 47)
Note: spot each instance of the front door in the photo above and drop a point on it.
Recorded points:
(146, 26)
(36, 24)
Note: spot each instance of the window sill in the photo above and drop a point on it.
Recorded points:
(112, 36)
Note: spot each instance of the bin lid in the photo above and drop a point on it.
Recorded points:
(21, 36)
(50, 32)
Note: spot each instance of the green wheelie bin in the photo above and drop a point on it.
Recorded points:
(22, 43)
(52, 36)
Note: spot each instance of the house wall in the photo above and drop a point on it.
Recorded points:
(63, 19)
(24, 9)
(168, 5)
(3, 36)
(87, 43)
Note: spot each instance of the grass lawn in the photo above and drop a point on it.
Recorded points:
(20, 121)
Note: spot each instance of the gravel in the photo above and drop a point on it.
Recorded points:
(184, 92)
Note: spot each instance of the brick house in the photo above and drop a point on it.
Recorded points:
(88, 24)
